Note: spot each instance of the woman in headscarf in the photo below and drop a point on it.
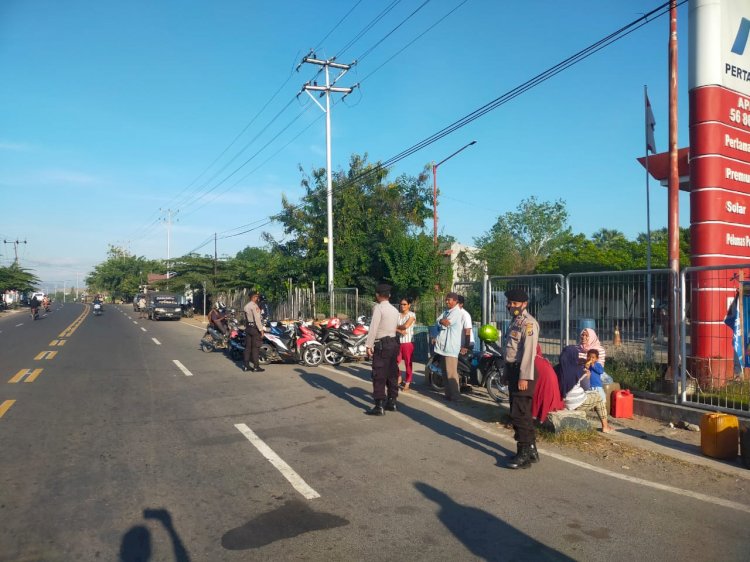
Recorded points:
(589, 340)
(568, 370)
(547, 390)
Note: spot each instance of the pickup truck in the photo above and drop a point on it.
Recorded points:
(163, 305)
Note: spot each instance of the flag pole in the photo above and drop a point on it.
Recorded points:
(649, 306)
(740, 314)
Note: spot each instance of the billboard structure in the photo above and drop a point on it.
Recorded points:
(719, 92)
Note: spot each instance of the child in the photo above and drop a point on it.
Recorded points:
(595, 370)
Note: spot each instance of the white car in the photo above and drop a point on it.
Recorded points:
(38, 295)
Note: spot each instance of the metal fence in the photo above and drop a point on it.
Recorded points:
(546, 304)
(715, 373)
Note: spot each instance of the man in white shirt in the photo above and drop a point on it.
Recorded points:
(468, 326)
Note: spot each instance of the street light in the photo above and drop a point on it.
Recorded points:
(434, 188)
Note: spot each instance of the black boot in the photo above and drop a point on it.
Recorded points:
(523, 458)
(390, 405)
(377, 409)
(533, 453)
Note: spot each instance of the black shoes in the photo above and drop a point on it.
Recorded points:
(533, 453)
(390, 405)
(248, 368)
(376, 410)
(522, 458)
(259, 370)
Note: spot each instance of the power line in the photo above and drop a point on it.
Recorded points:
(494, 104)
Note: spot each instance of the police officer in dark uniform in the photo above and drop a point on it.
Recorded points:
(520, 348)
(383, 346)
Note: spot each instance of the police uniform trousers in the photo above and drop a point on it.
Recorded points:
(253, 339)
(385, 368)
(520, 405)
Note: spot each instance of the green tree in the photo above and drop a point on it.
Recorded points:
(370, 211)
(121, 273)
(522, 239)
(412, 264)
(16, 278)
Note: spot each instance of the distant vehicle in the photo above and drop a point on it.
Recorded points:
(163, 305)
(38, 295)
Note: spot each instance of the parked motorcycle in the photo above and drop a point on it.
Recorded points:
(491, 372)
(214, 339)
(344, 344)
(296, 343)
(467, 369)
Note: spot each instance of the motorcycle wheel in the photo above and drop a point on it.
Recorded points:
(207, 346)
(435, 376)
(497, 391)
(331, 356)
(264, 354)
(312, 355)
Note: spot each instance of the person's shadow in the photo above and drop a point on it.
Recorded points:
(136, 542)
(361, 399)
(484, 534)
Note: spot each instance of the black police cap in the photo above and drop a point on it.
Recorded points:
(516, 295)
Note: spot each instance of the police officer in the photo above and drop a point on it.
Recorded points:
(253, 334)
(383, 346)
(520, 348)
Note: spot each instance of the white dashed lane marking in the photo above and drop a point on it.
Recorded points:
(157, 342)
(182, 368)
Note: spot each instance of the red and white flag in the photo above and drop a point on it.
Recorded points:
(650, 125)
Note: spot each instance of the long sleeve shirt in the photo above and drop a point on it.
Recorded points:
(384, 323)
(520, 343)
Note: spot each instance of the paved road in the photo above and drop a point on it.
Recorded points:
(111, 450)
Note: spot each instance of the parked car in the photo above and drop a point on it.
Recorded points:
(163, 305)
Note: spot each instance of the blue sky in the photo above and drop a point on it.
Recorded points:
(111, 111)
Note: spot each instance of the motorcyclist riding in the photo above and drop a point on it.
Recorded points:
(34, 304)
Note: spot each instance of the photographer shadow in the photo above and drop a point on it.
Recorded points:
(136, 544)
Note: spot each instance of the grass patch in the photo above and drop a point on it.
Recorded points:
(567, 436)
(633, 373)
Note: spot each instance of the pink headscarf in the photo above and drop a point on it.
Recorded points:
(593, 343)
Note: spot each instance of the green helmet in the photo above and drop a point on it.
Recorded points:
(488, 333)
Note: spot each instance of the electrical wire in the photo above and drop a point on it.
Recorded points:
(367, 28)
(494, 104)
(392, 31)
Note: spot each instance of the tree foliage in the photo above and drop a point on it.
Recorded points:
(121, 274)
(371, 212)
(16, 278)
(523, 238)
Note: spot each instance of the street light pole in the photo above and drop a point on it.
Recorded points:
(434, 189)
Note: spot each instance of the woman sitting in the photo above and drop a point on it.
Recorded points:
(547, 390)
(579, 395)
(589, 340)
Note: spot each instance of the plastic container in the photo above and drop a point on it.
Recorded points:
(622, 404)
(584, 323)
(608, 390)
(719, 435)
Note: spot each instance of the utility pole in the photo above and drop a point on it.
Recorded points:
(327, 89)
(15, 243)
(215, 258)
(168, 220)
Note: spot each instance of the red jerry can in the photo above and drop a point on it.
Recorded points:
(622, 404)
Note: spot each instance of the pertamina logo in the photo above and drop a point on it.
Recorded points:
(740, 42)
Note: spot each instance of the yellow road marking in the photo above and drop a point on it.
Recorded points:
(45, 355)
(77, 322)
(5, 406)
(32, 375)
(40, 356)
(58, 343)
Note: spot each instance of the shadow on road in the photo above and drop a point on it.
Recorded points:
(362, 400)
(136, 542)
(484, 534)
